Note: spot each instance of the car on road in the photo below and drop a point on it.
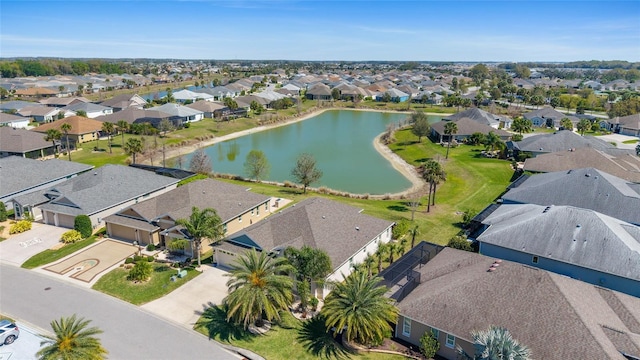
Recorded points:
(9, 332)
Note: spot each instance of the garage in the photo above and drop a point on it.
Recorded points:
(121, 232)
(224, 257)
(60, 220)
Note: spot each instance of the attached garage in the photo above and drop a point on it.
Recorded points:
(121, 232)
(57, 219)
(224, 257)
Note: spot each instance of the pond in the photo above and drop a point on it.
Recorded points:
(341, 141)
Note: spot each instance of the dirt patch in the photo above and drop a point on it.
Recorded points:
(4, 229)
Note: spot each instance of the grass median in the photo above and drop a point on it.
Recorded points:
(49, 256)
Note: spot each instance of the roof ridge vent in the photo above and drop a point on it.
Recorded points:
(546, 209)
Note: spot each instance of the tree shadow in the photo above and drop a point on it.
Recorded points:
(399, 208)
(214, 320)
(422, 160)
(314, 337)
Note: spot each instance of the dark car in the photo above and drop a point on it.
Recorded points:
(9, 332)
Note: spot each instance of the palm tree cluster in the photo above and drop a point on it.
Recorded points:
(433, 173)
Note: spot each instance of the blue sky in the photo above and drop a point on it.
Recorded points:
(323, 30)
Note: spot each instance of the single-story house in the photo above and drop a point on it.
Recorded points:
(63, 101)
(97, 193)
(188, 95)
(616, 162)
(220, 92)
(92, 110)
(180, 114)
(466, 127)
(626, 125)
(82, 129)
(344, 232)
(576, 242)
(153, 221)
(20, 176)
(318, 91)
(133, 115)
(24, 143)
(395, 95)
(124, 101)
(14, 121)
(211, 109)
(556, 317)
(549, 117)
(562, 140)
(483, 117)
(40, 113)
(36, 92)
(16, 105)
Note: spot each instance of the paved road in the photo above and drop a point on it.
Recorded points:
(129, 332)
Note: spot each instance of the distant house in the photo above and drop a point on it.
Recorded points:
(185, 95)
(318, 92)
(82, 129)
(394, 95)
(626, 125)
(23, 143)
(92, 110)
(563, 140)
(16, 105)
(220, 92)
(554, 316)
(60, 102)
(571, 241)
(133, 115)
(14, 121)
(211, 109)
(180, 114)
(41, 114)
(97, 193)
(124, 101)
(549, 117)
(617, 162)
(483, 117)
(466, 127)
(28, 176)
(36, 92)
(344, 232)
(153, 221)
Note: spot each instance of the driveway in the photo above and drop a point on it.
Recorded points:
(20, 247)
(619, 140)
(26, 345)
(185, 304)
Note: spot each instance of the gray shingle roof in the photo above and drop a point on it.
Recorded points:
(176, 110)
(467, 126)
(549, 113)
(339, 229)
(586, 188)
(103, 188)
(555, 316)
(560, 141)
(18, 174)
(478, 115)
(568, 234)
(21, 140)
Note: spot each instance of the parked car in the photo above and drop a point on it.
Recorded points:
(9, 332)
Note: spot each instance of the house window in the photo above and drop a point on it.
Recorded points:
(251, 212)
(258, 211)
(224, 228)
(266, 206)
(534, 260)
(451, 341)
(406, 327)
(240, 218)
(436, 333)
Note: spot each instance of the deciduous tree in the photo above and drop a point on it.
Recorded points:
(200, 162)
(256, 165)
(305, 171)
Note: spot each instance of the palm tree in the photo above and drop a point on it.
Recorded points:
(108, 128)
(72, 340)
(66, 127)
(522, 125)
(433, 173)
(368, 264)
(450, 128)
(414, 232)
(357, 306)
(133, 146)
(123, 126)
(394, 249)
(202, 224)
(492, 141)
(380, 254)
(496, 343)
(259, 288)
(53, 135)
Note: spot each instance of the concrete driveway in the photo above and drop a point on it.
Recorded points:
(619, 140)
(20, 247)
(185, 304)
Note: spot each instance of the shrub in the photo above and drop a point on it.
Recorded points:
(460, 242)
(141, 271)
(314, 303)
(20, 227)
(82, 223)
(71, 236)
(137, 258)
(3, 212)
(151, 247)
(150, 258)
(128, 260)
(429, 345)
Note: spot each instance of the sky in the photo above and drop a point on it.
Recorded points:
(425, 30)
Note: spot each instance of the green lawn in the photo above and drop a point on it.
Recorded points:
(115, 283)
(633, 141)
(293, 340)
(49, 256)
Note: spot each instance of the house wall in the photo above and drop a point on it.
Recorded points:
(247, 218)
(418, 329)
(95, 114)
(83, 138)
(591, 276)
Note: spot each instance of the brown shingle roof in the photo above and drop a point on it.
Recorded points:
(555, 316)
(79, 125)
(35, 91)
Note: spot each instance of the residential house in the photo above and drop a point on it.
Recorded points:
(576, 242)
(563, 140)
(556, 317)
(483, 117)
(35, 92)
(466, 127)
(92, 110)
(97, 194)
(344, 232)
(318, 92)
(185, 95)
(14, 121)
(82, 129)
(220, 92)
(626, 125)
(15, 105)
(607, 194)
(180, 114)
(549, 117)
(153, 221)
(23, 143)
(133, 115)
(124, 101)
(20, 176)
(394, 95)
(617, 162)
(211, 109)
(60, 102)
(41, 114)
